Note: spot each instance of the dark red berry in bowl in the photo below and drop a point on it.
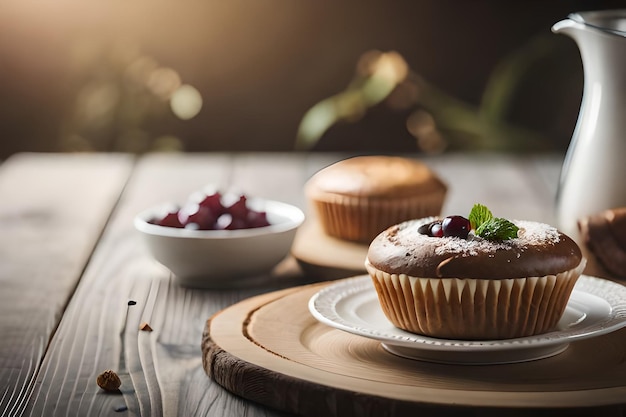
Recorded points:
(257, 219)
(203, 214)
(213, 202)
(169, 220)
(456, 226)
(262, 236)
(198, 214)
(238, 209)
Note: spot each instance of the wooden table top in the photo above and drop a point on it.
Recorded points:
(71, 261)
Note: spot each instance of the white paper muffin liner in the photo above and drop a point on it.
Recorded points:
(474, 309)
(361, 219)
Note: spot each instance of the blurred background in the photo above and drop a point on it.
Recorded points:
(280, 75)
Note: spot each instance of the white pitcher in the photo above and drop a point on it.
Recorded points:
(593, 177)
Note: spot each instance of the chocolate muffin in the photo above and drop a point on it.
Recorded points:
(357, 198)
(464, 286)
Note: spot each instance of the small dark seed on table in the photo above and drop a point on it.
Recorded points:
(132, 303)
(120, 407)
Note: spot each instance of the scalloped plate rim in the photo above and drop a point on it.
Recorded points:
(598, 290)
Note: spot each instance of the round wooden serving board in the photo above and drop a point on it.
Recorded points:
(271, 350)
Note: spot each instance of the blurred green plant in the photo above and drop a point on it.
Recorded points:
(437, 120)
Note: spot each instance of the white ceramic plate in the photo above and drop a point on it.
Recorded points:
(596, 307)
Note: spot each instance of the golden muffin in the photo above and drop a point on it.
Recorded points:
(357, 198)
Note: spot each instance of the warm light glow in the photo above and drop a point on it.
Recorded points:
(186, 102)
(384, 71)
(388, 65)
(96, 102)
(140, 69)
(392, 67)
(404, 96)
(163, 82)
(422, 126)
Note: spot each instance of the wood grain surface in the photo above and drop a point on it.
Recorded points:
(161, 370)
(72, 261)
(51, 217)
(269, 345)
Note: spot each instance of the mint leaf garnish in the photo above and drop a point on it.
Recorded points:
(479, 215)
(497, 228)
(488, 227)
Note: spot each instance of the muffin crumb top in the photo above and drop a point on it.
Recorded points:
(539, 250)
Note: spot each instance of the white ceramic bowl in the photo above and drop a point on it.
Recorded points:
(217, 258)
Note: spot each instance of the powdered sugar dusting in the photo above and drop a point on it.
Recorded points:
(533, 233)
(471, 246)
(530, 234)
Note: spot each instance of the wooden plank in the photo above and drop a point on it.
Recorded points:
(52, 211)
(161, 370)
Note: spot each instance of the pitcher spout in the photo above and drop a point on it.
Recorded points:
(605, 22)
(568, 27)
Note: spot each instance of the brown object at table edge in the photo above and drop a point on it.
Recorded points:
(604, 236)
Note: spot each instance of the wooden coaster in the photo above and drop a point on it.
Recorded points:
(269, 349)
(325, 257)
